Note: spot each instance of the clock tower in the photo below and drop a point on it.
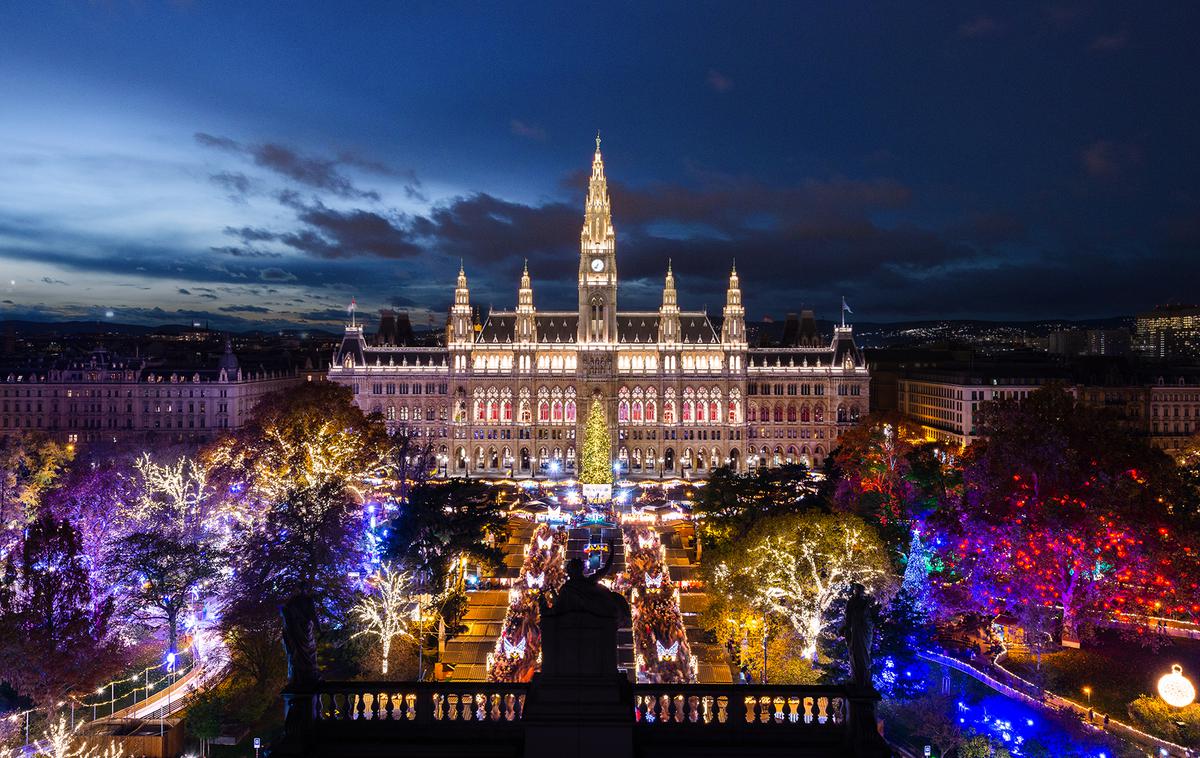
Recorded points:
(597, 263)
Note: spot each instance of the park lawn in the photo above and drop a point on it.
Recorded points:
(1118, 669)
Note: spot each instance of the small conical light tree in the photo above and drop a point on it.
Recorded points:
(388, 612)
(597, 446)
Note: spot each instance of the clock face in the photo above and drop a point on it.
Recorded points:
(597, 265)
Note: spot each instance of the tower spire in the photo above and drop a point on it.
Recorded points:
(668, 312)
(460, 312)
(525, 325)
(597, 261)
(733, 326)
(597, 217)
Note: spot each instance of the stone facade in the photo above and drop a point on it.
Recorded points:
(110, 398)
(509, 396)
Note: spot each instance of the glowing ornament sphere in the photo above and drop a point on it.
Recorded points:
(1175, 688)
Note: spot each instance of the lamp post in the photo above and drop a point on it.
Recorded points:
(764, 674)
(1088, 691)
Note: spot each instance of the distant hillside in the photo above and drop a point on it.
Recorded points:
(68, 328)
(768, 330)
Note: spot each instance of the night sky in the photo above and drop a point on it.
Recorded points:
(258, 163)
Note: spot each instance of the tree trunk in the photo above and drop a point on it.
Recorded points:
(387, 650)
(172, 626)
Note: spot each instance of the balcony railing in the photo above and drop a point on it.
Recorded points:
(420, 702)
(356, 718)
(739, 707)
(655, 705)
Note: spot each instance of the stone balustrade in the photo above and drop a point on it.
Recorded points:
(419, 702)
(736, 706)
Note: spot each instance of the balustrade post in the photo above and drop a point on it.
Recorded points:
(301, 711)
(862, 728)
(737, 708)
(423, 705)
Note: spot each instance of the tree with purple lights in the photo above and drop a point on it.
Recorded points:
(54, 624)
(95, 498)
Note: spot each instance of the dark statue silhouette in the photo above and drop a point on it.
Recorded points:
(859, 631)
(579, 624)
(579, 704)
(300, 629)
(300, 704)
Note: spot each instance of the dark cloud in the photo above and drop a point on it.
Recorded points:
(319, 173)
(331, 233)
(1107, 43)
(244, 309)
(980, 26)
(50, 280)
(485, 229)
(719, 82)
(1105, 159)
(244, 252)
(184, 291)
(326, 315)
(234, 182)
(528, 131)
(221, 143)
(275, 274)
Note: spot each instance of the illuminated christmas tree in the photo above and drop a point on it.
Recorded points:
(597, 446)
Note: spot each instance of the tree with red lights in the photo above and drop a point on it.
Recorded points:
(887, 473)
(1063, 509)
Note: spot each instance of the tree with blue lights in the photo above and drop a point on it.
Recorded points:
(54, 620)
(163, 574)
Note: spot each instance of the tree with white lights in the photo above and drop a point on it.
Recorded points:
(173, 493)
(796, 567)
(386, 611)
(61, 741)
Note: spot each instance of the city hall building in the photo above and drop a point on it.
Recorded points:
(684, 394)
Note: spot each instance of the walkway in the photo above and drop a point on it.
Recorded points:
(1028, 693)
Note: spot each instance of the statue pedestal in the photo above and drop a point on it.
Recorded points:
(866, 741)
(578, 716)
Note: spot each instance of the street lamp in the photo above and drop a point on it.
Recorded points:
(1088, 691)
